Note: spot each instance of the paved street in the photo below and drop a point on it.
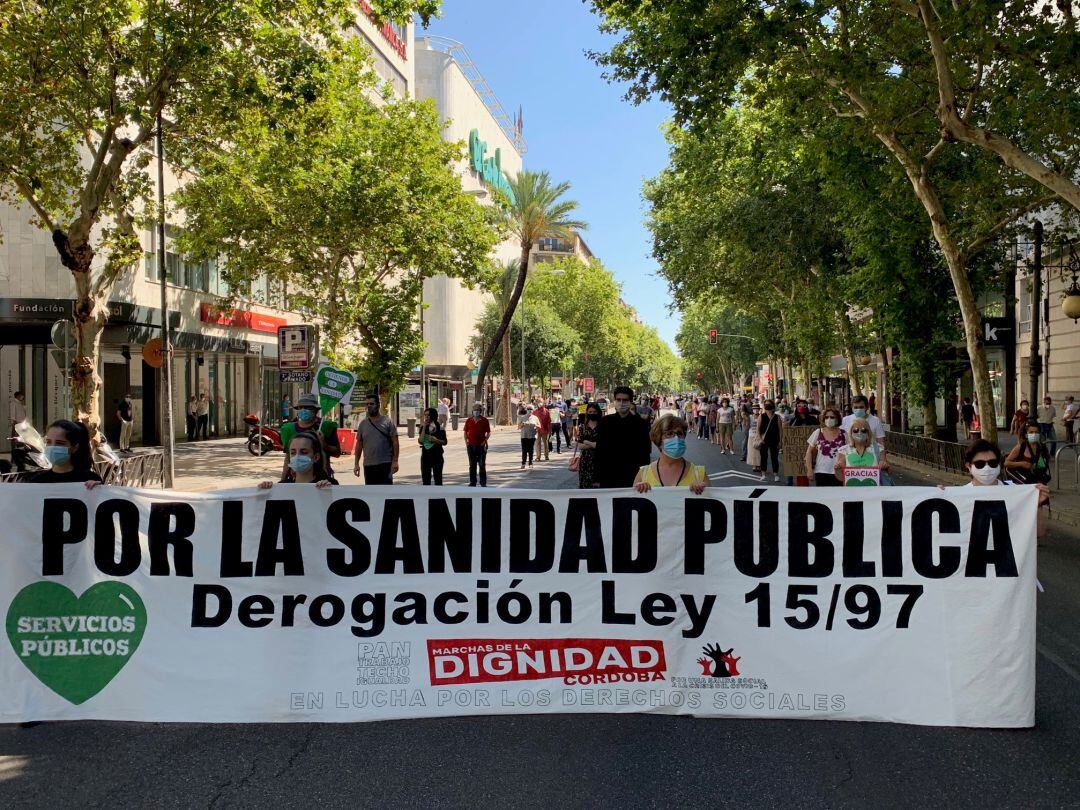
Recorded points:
(570, 760)
(207, 465)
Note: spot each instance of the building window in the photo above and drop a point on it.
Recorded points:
(553, 245)
(1025, 308)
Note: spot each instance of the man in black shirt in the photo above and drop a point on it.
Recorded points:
(622, 443)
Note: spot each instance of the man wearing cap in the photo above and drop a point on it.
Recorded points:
(307, 418)
(377, 442)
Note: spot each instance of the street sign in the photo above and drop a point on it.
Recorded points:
(153, 354)
(294, 347)
(294, 376)
(588, 385)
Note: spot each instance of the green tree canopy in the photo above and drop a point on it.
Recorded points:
(871, 67)
(347, 205)
(81, 89)
(537, 208)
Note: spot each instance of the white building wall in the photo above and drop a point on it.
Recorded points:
(453, 309)
(392, 51)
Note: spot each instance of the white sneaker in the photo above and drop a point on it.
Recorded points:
(776, 478)
(761, 477)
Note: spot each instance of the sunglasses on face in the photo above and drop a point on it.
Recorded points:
(982, 462)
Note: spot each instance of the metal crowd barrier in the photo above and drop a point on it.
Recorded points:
(936, 453)
(1075, 450)
(142, 469)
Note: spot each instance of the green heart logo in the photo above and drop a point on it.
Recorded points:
(76, 645)
(860, 482)
(332, 385)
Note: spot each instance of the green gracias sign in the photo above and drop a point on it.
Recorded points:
(489, 169)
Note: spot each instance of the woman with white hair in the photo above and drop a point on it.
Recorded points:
(860, 451)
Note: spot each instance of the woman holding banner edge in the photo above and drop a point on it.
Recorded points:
(668, 433)
(860, 451)
(305, 464)
(67, 448)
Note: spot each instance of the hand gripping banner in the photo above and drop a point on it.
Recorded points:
(911, 605)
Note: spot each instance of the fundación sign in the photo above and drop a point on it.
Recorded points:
(489, 168)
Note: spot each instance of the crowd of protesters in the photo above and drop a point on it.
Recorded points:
(633, 440)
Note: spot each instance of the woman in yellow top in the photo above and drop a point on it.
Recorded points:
(668, 433)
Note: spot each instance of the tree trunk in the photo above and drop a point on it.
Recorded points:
(969, 310)
(884, 396)
(85, 382)
(503, 416)
(954, 258)
(929, 427)
(90, 316)
(504, 324)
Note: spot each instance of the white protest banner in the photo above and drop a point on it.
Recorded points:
(912, 605)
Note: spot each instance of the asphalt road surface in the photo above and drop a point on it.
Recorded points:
(582, 760)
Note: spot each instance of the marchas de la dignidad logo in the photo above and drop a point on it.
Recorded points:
(574, 661)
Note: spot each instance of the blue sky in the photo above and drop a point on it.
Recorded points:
(577, 126)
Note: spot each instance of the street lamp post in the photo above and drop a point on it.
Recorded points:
(1035, 363)
(166, 349)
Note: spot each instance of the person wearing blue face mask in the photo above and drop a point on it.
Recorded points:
(860, 409)
(307, 419)
(67, 449)
(672, 469)
(305, 463)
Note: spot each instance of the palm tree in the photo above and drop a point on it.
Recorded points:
(504, 288)
(534, 212)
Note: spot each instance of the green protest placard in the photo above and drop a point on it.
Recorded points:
(332, 386)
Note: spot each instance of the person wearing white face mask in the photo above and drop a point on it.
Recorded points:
(983, 463)
(860, 451)
(823, 448)
(1029, 461)
(668, 433)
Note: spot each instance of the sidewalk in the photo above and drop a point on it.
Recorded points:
(226, 464)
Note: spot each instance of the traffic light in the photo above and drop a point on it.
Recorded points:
(712, 336)
(698, 375)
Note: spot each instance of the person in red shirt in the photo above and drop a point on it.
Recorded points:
(477, 432)
(543, 434)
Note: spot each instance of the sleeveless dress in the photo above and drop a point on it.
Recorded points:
(692, 474)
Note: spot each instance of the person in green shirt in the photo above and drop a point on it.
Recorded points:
(307, 418)
(860, 451)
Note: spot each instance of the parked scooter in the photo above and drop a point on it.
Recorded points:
(259, 443)
(28, 449)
